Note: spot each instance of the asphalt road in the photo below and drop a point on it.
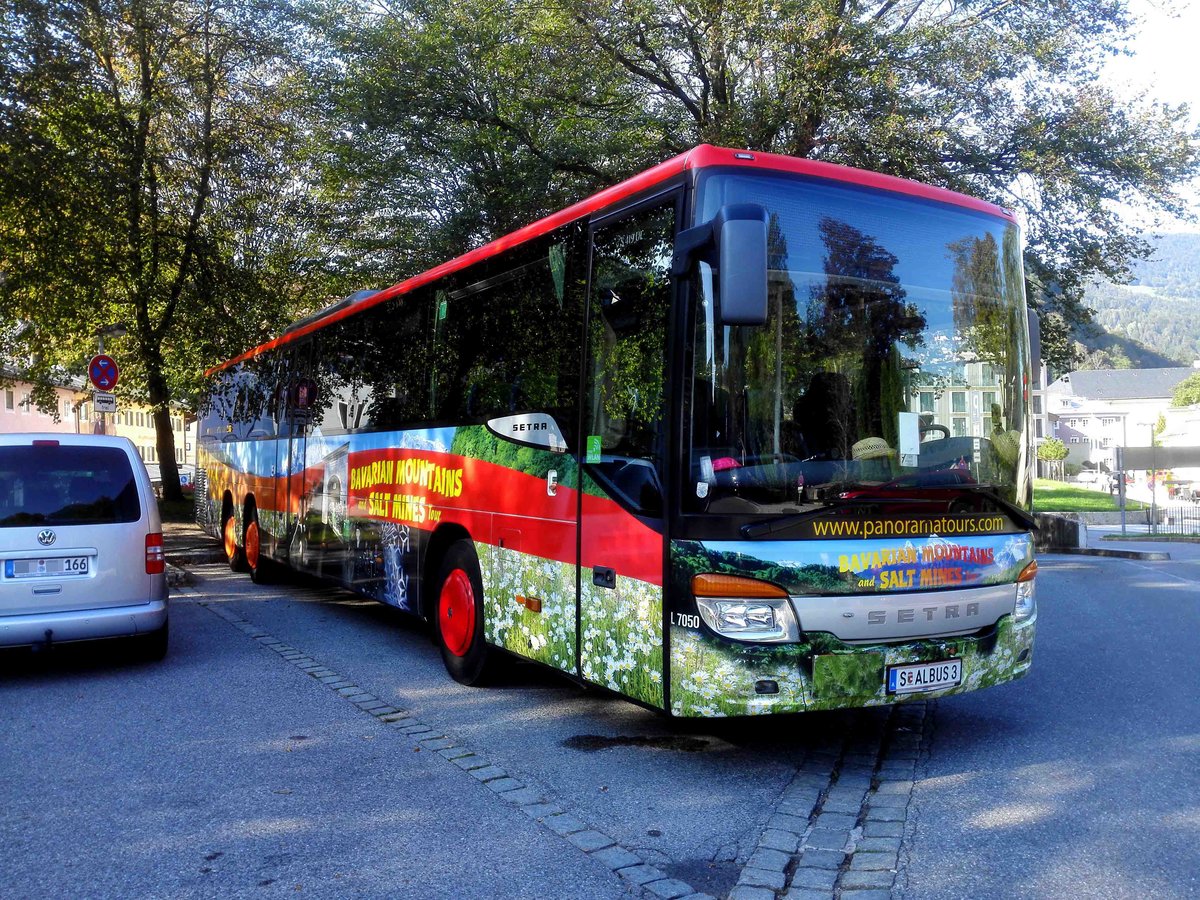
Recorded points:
(229, 771)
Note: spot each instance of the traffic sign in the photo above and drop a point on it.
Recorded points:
(104, 402)
(103, 372)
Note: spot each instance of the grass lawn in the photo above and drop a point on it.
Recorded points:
(1057, 496)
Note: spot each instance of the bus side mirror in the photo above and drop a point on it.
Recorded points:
(734, 243)
(740, 234)
(1035, 340)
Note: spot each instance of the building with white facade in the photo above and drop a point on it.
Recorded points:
(18, 414)
(1095, 411)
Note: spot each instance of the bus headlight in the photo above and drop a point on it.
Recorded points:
(1026, 607)
(745, 609)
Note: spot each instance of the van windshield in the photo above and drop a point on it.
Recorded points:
(65, 485)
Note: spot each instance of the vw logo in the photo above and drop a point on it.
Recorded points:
(46, 537)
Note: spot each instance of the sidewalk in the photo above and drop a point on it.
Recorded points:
(185, 544)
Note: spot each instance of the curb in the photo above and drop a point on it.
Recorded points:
(1116, 554)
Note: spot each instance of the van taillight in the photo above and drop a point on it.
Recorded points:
(156, 561)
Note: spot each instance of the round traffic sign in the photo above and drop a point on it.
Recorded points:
(103, 372)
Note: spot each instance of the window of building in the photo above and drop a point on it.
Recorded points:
(1108, 420)
(959, 424)
(958, 401)
(926, 401)
(1074, 440)
(10, 400)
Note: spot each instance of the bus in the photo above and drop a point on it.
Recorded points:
(743, 434)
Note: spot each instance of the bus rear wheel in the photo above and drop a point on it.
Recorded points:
(260, 566)
(459, 618)
(233, 552)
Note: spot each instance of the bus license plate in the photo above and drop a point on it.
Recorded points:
(51, 567)
(932, 676)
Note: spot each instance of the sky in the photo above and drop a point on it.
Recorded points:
(1165, 60)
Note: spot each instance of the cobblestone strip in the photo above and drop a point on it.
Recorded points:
(873, 861)
(838, 830)
(529, 798)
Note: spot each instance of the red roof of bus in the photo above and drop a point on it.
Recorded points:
(703, 156)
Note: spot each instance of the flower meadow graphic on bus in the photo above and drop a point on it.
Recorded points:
(529, 605)
(710, 677)
(622, 637)
(715, 677)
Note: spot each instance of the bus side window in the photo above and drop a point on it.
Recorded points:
(627, 347)
(506, 339)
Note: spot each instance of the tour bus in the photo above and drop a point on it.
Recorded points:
(743, 434)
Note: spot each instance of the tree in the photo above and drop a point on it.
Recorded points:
(1187, 392)
(147, 177)
(498, 109)
(1053, 451)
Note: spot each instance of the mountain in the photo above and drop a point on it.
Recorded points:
(1154, 322)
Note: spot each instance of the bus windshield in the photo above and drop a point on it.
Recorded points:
(892, 367)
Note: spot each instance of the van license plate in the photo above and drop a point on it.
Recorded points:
(53, 567)
(933, 676)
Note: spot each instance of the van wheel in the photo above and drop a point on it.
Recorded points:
(261, 567)
(233, 553)
(459, 621)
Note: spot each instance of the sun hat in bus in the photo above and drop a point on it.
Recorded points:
(871, 448)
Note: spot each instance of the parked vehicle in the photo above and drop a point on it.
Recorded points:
(81, 545)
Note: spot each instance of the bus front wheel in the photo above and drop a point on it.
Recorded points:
(459, 620)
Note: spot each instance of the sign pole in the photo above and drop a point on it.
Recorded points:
(1121, 485)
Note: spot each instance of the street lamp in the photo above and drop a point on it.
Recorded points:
(117, 329)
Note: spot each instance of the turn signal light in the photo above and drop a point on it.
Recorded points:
(156, 560)
(1028, 573)
(711, 584)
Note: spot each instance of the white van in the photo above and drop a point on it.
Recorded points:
(81, 548)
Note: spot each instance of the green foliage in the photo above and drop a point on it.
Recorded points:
(1154, 322)
(1187, 392)
(489, 112)
(147, 177)
(1052, 450)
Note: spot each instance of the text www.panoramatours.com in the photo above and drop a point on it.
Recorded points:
(868, 528)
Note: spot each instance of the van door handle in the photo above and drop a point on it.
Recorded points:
(552, 483)
(604, 577)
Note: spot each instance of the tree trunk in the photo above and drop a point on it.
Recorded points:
(160, 404)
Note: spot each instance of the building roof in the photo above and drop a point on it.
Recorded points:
(1122, 384)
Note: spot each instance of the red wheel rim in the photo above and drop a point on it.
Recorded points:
(230, 537)
(252, 545)
(456, 613)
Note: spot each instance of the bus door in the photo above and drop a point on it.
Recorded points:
(624, 450)
(300, 391)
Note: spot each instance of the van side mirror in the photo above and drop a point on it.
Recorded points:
(740, 233)
(735, 244)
